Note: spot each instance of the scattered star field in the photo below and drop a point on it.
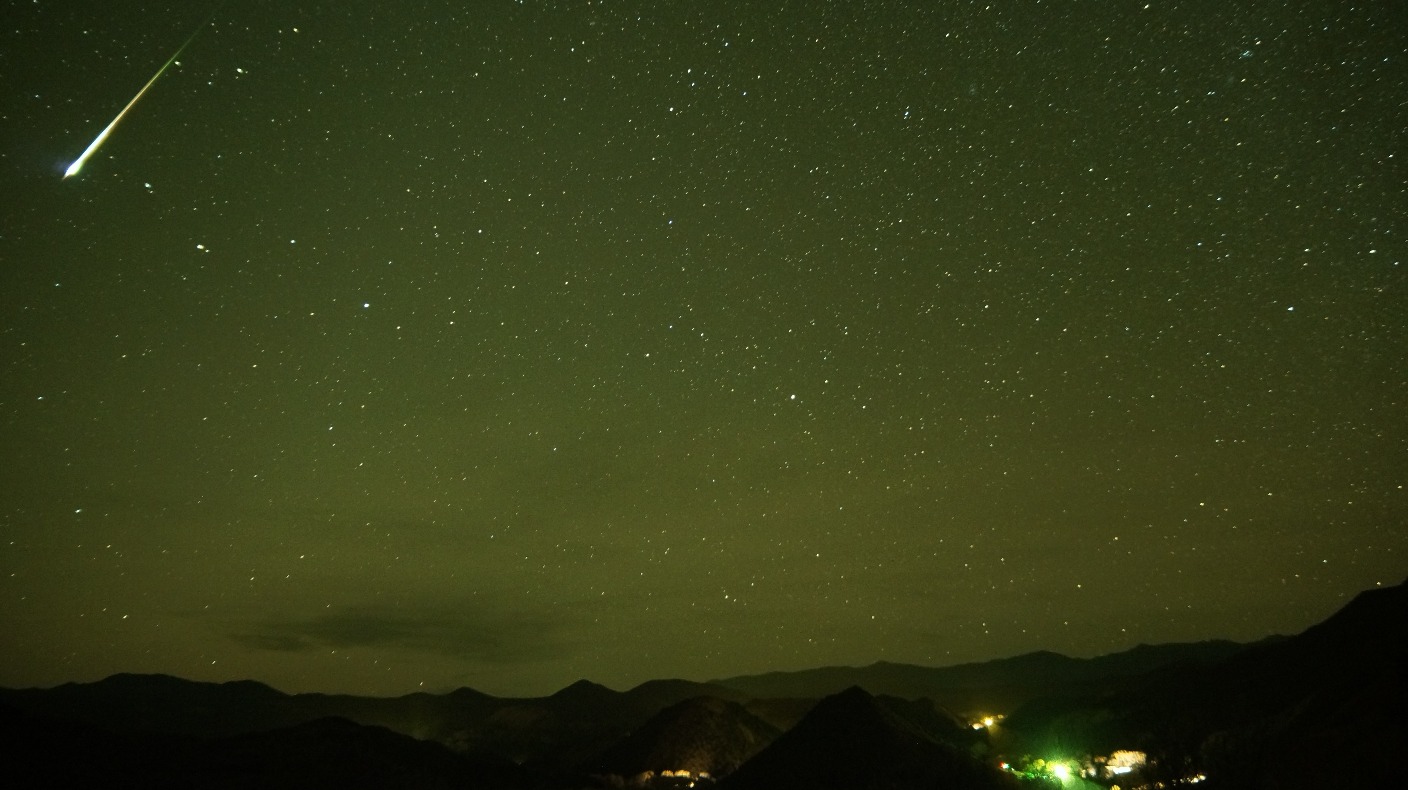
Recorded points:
(388, 347)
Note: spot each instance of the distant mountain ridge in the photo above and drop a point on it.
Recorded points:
(1001, 684)
(467, 718)
(1322, 708)
(549, 734)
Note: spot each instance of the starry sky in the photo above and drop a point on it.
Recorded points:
(399, 346)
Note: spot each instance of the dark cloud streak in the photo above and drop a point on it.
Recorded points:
(472, 633)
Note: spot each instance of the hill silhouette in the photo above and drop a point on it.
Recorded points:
(1290, 713)
(851, 740)
(1321, 708)
(700, 735)
(323, 753)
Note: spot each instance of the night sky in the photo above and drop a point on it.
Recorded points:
(398, 346)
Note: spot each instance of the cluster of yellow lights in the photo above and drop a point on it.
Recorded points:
(986, 722)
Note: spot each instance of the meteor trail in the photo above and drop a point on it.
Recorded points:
(103, 135)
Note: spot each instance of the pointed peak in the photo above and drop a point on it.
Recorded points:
(851, 701)
(584, 688)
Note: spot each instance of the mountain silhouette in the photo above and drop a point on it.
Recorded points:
(324, 753)
(699, 735)
(1305, 711)
(164, 704)
(337, 753)
(998, 685)
(851, 741)
(1321, 708)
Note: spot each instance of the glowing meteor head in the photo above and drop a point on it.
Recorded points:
(74, 168)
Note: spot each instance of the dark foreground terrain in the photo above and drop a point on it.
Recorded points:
(1324, 708)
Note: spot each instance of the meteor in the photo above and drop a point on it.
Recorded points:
(103, 135)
